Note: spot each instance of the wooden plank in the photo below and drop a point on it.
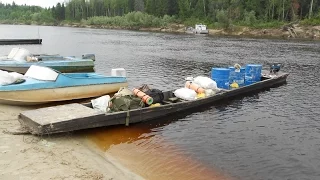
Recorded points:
(20, 41)
(56, 114)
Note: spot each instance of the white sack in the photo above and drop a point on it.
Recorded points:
(205, 82)
(101, 103)
(5, 78)
(16, 75)
(209, 92)
(9, 78)
(186, 94)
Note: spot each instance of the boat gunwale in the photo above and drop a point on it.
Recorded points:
(60, 87)
(205, 98)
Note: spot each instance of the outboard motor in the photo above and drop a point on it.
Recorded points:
(275, 67)
(89, 56)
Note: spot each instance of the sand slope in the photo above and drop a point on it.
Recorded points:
(52, 157)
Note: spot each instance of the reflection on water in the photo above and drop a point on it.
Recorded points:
(145, 149)
(273, 134)
(142, 148)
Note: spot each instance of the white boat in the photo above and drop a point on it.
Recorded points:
(44, 85)
(201, 29)
(20, 59)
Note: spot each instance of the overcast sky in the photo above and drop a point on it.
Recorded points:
(43, 3)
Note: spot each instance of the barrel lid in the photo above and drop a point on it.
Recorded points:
(221, 69)
(257, 65)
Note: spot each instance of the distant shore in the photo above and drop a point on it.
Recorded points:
(299, 32)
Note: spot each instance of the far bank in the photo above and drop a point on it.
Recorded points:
(294, 31)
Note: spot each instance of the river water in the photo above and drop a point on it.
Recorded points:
(273, 134)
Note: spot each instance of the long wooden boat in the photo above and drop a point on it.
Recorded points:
(19, 60)
(44, 85)
(20, 41)
(71, 117)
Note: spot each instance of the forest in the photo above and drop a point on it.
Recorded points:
(157, 13)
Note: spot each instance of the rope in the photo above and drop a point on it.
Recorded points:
(127, 118)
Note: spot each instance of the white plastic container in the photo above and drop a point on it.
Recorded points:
(118, 72)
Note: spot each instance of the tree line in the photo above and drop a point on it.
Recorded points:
(248, 12)
(236, 10)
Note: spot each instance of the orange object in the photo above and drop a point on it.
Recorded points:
(194, 87)
(145, 98)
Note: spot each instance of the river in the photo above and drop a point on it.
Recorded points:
(273, 134)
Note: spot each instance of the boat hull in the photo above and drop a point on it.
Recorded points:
(42, 96)
(63, 69)
(201, 32)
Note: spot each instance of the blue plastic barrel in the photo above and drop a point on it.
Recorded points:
(252, 73)
(237, 75)
(221, 77)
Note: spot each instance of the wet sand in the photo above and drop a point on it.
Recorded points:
(65, 156)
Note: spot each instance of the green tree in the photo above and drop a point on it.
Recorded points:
(184, 8)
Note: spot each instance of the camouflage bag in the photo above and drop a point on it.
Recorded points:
(125, 103)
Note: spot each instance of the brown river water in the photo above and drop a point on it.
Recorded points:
(272, 134)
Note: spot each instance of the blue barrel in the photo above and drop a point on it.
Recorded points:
(252, 73)
(221, 77)
(237, 75)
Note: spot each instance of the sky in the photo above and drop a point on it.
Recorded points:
(42, 3)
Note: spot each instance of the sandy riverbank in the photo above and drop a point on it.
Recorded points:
(300, 32)
(52, 157)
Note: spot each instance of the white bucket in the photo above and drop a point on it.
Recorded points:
(118, 72)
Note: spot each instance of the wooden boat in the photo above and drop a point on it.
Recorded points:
(20, 41)
(44, 85)
(71, 117)
(19, 60)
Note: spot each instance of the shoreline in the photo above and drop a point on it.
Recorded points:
(66, 156)
(300, 32)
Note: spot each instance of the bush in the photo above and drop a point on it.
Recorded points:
(223, 20)
(250, 18)
(131, 20)
(271, 24)
(192, 21)
(311, 22)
